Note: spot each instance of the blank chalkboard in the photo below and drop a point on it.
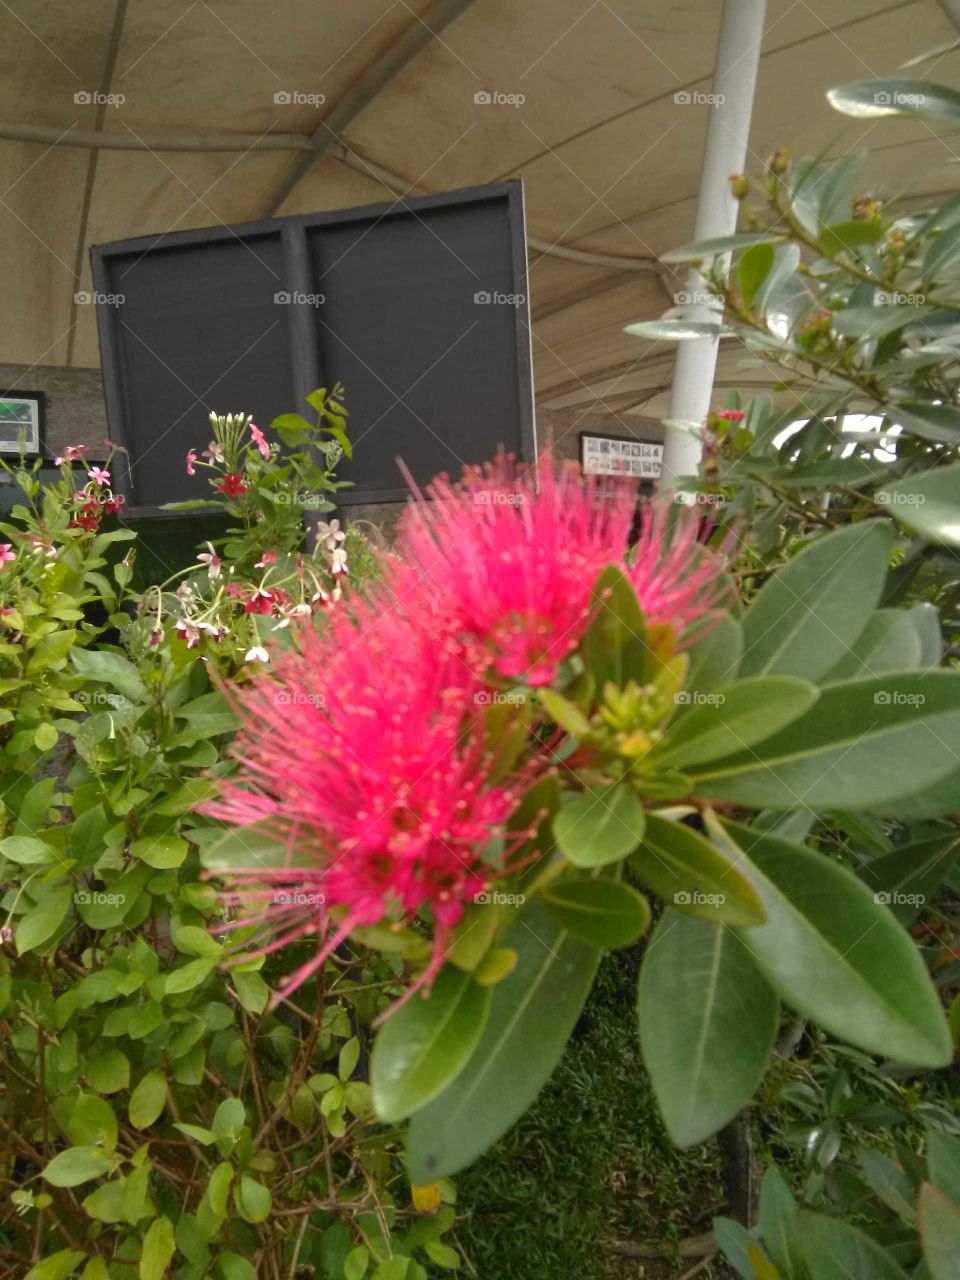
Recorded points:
(419, 307)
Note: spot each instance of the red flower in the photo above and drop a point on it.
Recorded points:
(232, 485)
(731, 415)
(367, 755)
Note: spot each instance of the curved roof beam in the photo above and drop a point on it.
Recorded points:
(370, 82)
(99, 140)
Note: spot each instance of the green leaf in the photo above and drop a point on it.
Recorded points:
(598, 911)
(837, 956)
(715, 657)
(111, 669)
(229, 1119)
(599, 825)
(26, 851)
(928, 503)
(218, 1188)
(78, 1165)
(395, 1268)
(91, 1122)
(442, 1255)
(708, 1021)
(188, 976)
(252, 992)
(565, 713)
(879, 745)
(253, 1200)
(703, 250)
(842, 237)
(235, 1267)
(753, 268)
(939, 1232)
(943, 1163)
(906, 880)
(424, 1045)
(938, 422)
(356, 1262)
(160, 851)
(109, 1072)
(673, 330)
(778, 1224)
(158, 1247)
(148, 1100)
(833, 1250)
(256, 845)
(890, 1182)
(58, 1266)
(46, 737)
(805, 617)
(896, 96)
(684, 868)
(889, 642)
(531, 1016)
(42, 921)
(733, 717)
(615, 644)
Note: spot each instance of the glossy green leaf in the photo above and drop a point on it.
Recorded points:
(937, 422)
(715, 657)
(252, 1199)
(690, 871)
(58, 1266)
(833, 1250)
(804, 618)
(708, 1020)
(615, 644)
(148, 1100)
(599, 825)
(836, 955)
(877, 745)
(703, 250)
(753, 268)
(842, 237)
(424, 1045)
(256, 845)
(928, 503)
(889, 642)
(733, 717)
(533, 1011)
(77, 1165)
(907, 879)
(939, 1232)
(109, 668)
(38, 925)
(778, 1224)
(158, 1247)
(598, 911)
(896, 96)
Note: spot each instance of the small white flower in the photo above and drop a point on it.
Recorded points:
(257, 654)
(339, 562)
(211, 560)
(329, 534)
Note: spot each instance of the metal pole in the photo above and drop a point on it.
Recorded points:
(725, 151)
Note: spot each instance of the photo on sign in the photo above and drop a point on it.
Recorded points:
(21, 420)
(602, 455)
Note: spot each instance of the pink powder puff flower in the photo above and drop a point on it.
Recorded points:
(7, 553)
(507, 561)
(98, 475)
(191, 459)
(366, 756)
(260, 440)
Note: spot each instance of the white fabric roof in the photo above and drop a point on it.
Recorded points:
(609, 158)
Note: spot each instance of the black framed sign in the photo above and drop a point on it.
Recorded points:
(21, 419)
(419, 307)
(605, 455)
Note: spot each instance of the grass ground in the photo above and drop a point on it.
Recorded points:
(590, 1163)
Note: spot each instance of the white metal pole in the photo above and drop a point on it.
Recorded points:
(725, 151)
